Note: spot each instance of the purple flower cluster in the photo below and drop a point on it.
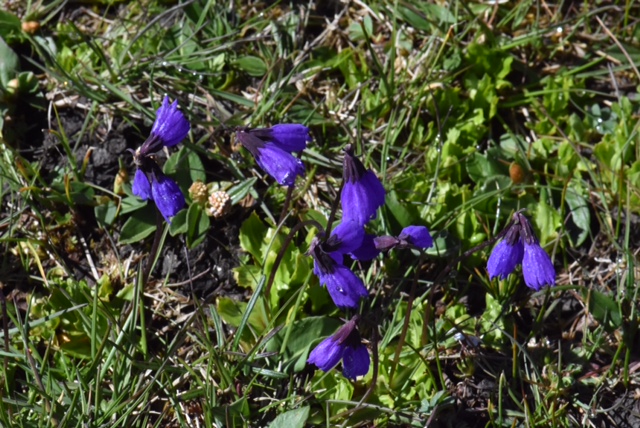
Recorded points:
(520, 246)
(362, 195)
(169, 129)
(273, 147)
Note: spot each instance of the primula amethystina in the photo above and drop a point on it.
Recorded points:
(345, 345)
(169, 129)
(344, 286)
(273, 147)
(520, 245)
(362, 193)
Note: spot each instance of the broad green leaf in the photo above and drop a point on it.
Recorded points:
(141, 224)
(9, 64)
(240, 190)
(9, 24)
(252, 234)
(604, 309)
(253, 65)
(296, 418)
(197, 225)
(580, 215)
(247, 276)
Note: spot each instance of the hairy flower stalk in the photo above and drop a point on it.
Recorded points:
(345, 288)
(520, 246)
(345, 345)
(149, 182)
(362, 192)
(273, 147)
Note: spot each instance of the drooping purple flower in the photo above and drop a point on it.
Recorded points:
(537, 267)
(167, 195)
(290, 137)
(520, 245)
(362, 193)
(273, 147)
(504, 259)
(345, 345)
(169, 129)
(345, 288)
(416, 236)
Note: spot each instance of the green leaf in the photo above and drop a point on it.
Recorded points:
(9, 63)
(9, 23)
(140, 225)
(197, 225)
(179, 223)
(296, 418)
(186, 166)
(405, 214)
(252, 234)
(253, 65)
(580, 216)
(247, 276)
(604, 309)
(240, 190)
(106, 213)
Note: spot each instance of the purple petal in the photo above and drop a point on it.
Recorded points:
(537, 267)
(167, 196)
(362, 198)
(337, 258)
(291, 137)
(367, 250)
(418, 236)
(347, 236)
(327, 354)
(385, 243)
(345, 288)
(170, 124)
(355, 361)
(279, 164)
(141, 186)
(504, 259)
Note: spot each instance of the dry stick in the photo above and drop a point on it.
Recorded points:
(624, 51)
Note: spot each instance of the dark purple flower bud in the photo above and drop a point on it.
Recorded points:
(415, 236)
(345, 345)
(367, 250)
(274, 160)
(362, 193)
(386, 243)
(169, 128)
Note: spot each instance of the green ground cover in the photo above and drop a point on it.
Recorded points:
(467, 111)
